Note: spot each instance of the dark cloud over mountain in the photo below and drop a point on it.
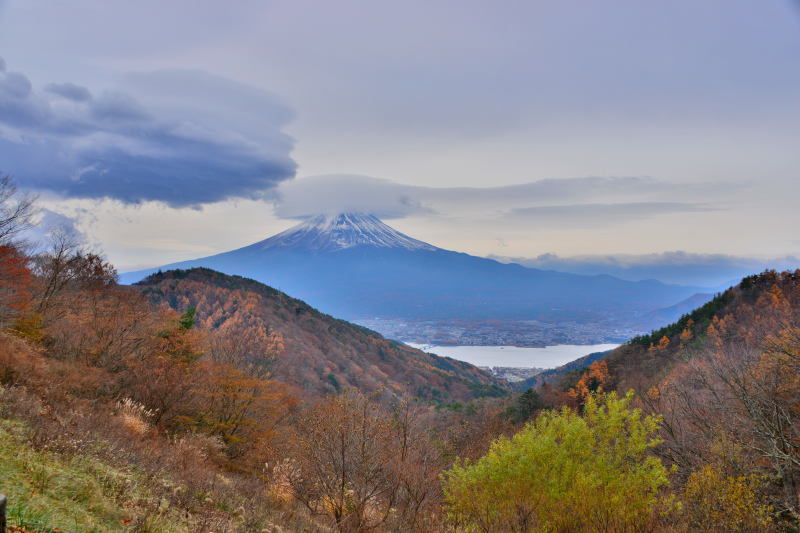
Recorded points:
(177, 136)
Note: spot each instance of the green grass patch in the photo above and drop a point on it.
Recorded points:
(48, 492)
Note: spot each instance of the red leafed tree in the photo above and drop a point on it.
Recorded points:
(16, 282)
(16, 211)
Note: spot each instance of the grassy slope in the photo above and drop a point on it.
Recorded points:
(60, 492)
(48, 492)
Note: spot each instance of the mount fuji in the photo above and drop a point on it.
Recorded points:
(325, 233)
(354, 266)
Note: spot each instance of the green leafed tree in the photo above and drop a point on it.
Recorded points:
(526, 406)
(565, 472)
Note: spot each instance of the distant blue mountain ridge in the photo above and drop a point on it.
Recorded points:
(717, 272)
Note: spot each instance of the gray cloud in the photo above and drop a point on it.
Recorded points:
(117, 107)
(70, 91)
(595, 215)
(180, 137)
(608, 199)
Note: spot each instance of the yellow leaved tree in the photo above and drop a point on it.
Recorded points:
(565, 472)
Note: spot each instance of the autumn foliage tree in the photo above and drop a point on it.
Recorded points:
(16, 285)
(164, 378)
(65, 272)
(244, 411)
(362, 467)
(715, 502)
(16, 281)
(595, 378)
(565, 472)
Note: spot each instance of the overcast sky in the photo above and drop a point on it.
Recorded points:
(171, 130)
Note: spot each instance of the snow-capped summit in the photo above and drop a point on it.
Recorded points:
(326, 233)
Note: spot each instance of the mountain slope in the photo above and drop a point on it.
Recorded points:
(556, 374)
(310, 351)
(355, 266)
(739, 320)
(668, 315)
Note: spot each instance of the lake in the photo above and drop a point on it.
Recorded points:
(515, 356)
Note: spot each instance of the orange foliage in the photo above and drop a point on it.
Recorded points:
(16, 284)
(239, 408)
(259, 329)
(595, 378)
(19, 363)
(662, 345)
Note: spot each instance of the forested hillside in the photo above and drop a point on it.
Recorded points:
(200, 402)
(725, 380)
(744, 316)
(313, 353)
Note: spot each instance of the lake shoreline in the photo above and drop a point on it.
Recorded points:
(509, 356)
